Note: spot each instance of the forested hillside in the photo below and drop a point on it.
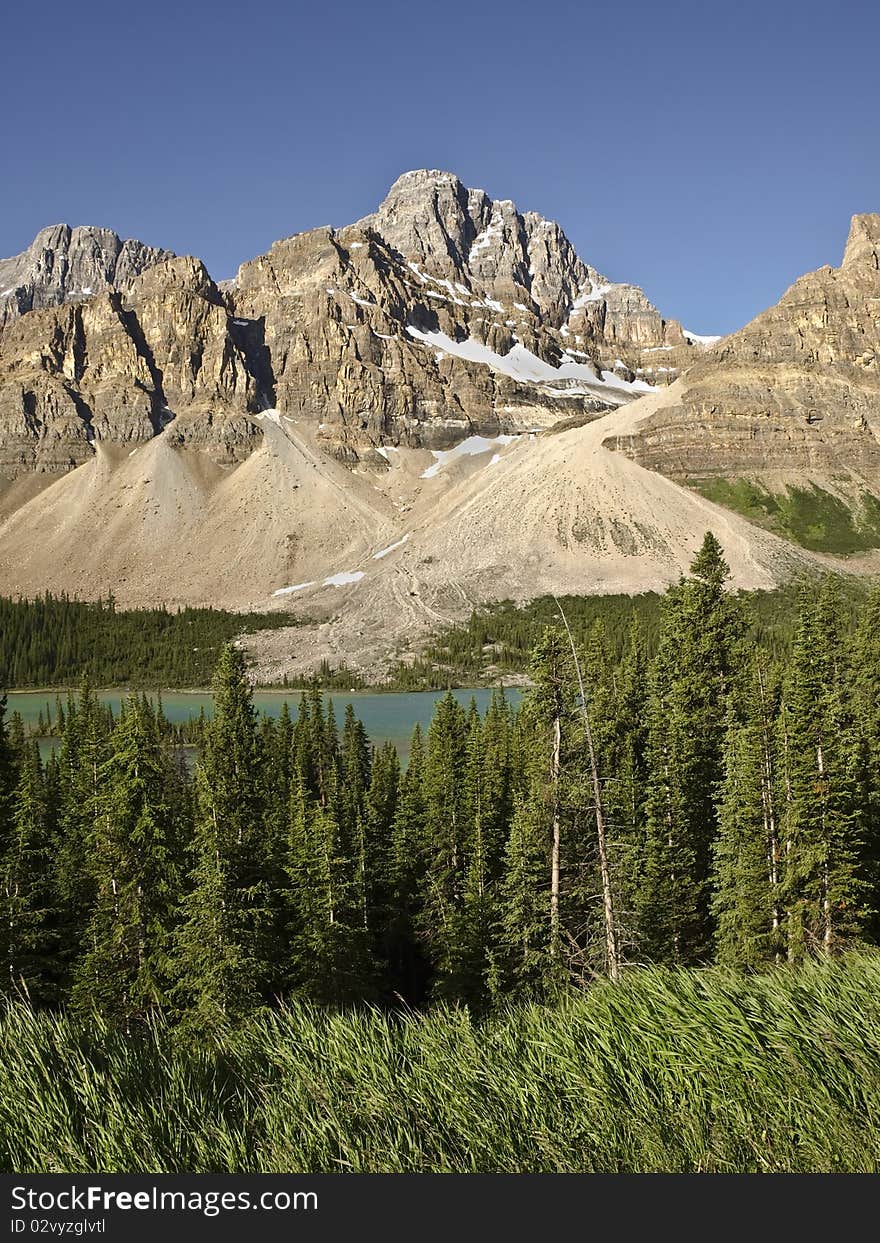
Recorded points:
(498, 639)
(702, 802)
(57, 641)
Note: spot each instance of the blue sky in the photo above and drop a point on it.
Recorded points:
(708, 152)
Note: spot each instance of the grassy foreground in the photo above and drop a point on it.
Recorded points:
(670, 1071)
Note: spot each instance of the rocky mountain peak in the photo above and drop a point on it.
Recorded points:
(444, 315)
(790, 397)
(65, 264)
(521, 259)
(431, 217)
(863, 243)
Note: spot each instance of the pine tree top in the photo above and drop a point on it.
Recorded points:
(709, 564)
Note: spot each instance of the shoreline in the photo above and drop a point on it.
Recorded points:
(59, 691)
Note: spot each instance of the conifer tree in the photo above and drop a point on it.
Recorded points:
(27, 916)
(748, 860)
(407, 961)
(446, 843)
(134, 862)
(694, 672)
(8, 778)
(622, 747)
(380, 811)
(355, 765)
(523, 965)
(552, 707)
(865, 682)
(540, 912)
(222, 959)
(82, 754)
(823, 892)
(329, 949)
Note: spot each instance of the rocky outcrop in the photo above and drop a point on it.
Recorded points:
(794, 393)
(119, 368)
(373, 350)
(65, 264)
(430, 216)
(444, 315)
(462, 234)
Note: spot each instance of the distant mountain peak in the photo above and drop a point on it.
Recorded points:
(65, 263)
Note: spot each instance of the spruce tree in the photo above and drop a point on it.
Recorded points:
(545, 813)
(380, 811)
(329, 949)
(27, 916)
(82, 754)
(522, 965)
(8, 780)
(407, 960)
(222, 959)
(445, 848)
(865, 680)
(124, 971)
(748, 859)
(355, 766)
(694, 672)
(622, 746)
(823, 890)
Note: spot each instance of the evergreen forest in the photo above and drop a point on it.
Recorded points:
(631, 925)
(57, 641)
(688, 801)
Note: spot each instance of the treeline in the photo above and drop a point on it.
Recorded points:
(51, 722)
(498, 638)
(689, 801)
(56, 641)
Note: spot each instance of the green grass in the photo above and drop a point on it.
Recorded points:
(670, 1071)
(810, 516)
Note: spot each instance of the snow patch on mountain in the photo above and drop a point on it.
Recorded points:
(471, 447)
(343, 578)
(288, 591)
(377, 556)
(698, 340)
(521, 364)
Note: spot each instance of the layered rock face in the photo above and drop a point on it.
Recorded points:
(64, 264)
(373, 350)
(794, 393)
(444, 315)
(119, 368)
(431, 217)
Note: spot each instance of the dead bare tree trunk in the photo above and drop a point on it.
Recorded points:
(554, 853)
(769, 806)
(612, 950)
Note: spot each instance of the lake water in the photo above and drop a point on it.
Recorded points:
(386, 717)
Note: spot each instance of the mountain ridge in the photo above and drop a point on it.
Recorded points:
(380, 426)
(336, 323)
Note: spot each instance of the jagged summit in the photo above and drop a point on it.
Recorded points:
(461, 233)
(863, 243)
(445, 314)
(65, 263)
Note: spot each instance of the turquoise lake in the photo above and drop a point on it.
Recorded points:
(386, 717)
